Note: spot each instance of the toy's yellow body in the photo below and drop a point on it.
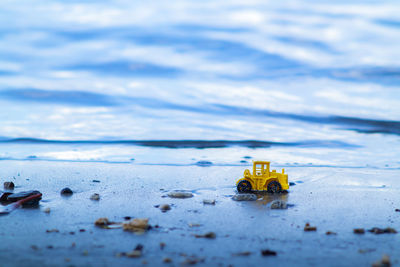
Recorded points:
(263, 179)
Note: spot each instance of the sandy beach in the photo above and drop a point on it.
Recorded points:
(331, 199)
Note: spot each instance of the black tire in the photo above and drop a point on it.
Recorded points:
(274, 187)
(244, 186)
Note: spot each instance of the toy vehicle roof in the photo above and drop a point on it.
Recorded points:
(260, 162)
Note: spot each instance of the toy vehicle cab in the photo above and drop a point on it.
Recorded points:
(262, 179)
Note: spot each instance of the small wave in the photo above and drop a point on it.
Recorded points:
(177, 144)
(59, 97)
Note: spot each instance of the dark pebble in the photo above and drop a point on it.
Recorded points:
(267, 252)
(9, 185)
(21, 195)
(139, 247)
(359, 231)
(95, 181)
(66, 191)
(292, 183)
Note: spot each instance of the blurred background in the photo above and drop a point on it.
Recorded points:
(296, 82)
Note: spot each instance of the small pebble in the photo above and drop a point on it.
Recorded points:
(358, 231)
(52, 231)
(46, 210)
(21, 195)
(95, 196)
(209, 235)
(136, 253)
(165, 207)
(384, 262)
(162, 245)
(387, 230)
(180, 194)
(244, 197)
(167, 260)
(279, 205)
(209, 201)
(66, 191)
(95, 181)
(101, 222)
(330, 233)
(267, 252)
(9, 185)
(308, 228)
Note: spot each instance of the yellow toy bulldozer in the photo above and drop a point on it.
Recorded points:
(263, 179)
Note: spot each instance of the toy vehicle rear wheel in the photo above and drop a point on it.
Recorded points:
(244, 186)
(274, 187)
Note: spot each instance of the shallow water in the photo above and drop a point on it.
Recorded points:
(308, 83)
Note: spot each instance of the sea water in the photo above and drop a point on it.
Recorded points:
(312, 83)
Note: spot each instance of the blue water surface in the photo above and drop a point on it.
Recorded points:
(295, 82)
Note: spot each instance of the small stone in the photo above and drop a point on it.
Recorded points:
(267, 252)
(101, 222)
(244, 197)
(165, 207)
(292, 183)
(358, 231)
(96, 181)
(209, 201)
(95, 197)
(192, 261)
(384, 262)
(21, 195)
(397, 210)
(387, 230)
(137, 225)
(330, 233)
(136, 253)
(66, 192)
(180, 194)
(34, 247)
(167, 260)
(194, 225)
(209, 235)
(279, 205)
(52, 231)
(308, 228)
(46, 210)
(9, 185)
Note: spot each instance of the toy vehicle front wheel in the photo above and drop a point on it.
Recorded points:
(274, 187)
(244, 186)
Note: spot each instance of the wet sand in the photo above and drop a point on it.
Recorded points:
(332, 199)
